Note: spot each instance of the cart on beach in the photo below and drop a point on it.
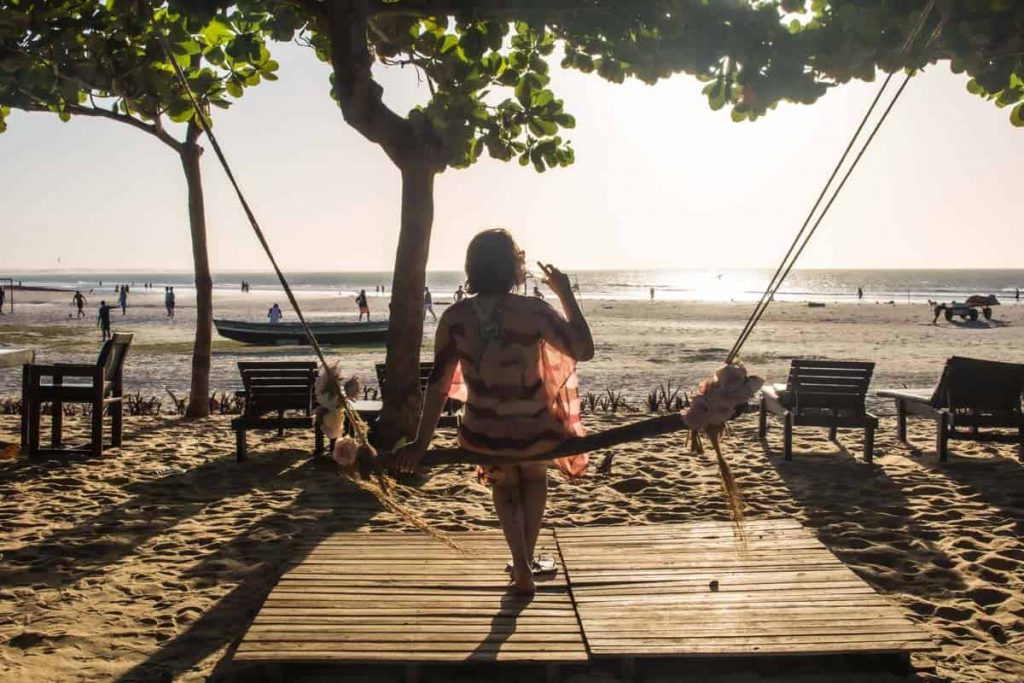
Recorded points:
(968, 309)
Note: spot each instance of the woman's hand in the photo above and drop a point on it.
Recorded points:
(407, 459)
(556, 280)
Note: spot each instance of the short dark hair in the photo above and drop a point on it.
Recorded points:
(494, 263)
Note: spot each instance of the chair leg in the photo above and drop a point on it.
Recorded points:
(25, 391)
(869, 443)
(116, 422)
(833, 433)
(901, 421)
(787, 437)
(318, 439)
(240, 451)
(280, 416)
(96, 433)
(56, 424)
(762, 420)
(942, 437)
(34, 408)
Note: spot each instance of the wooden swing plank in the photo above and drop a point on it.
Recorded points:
(399, 598)
(647, 592)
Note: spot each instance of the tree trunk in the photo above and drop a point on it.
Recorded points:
(403, 398)
(199, 393)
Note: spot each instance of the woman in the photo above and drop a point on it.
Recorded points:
(512, 359)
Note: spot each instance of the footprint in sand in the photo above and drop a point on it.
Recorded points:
(988, 596)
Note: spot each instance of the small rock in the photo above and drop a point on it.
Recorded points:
(713, 585)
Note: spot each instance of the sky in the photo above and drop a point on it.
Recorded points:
(660, 181)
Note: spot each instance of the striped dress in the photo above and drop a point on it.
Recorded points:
(515, 370)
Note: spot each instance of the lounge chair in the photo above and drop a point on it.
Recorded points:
(821, 393)
(99, 385)
(275, 388)
(452, 413)
(971, 394)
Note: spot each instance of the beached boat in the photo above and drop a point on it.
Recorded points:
(330, 333)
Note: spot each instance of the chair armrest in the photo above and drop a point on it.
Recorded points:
(909, 395)
(240, 393)
(65, 370)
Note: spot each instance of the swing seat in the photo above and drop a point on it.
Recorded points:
(820, 393)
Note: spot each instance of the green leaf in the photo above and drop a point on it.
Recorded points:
(1017, 115)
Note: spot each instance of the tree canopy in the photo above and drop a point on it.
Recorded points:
(104, 59)
(487, 63)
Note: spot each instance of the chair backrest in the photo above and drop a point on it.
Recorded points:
(980, 386)
(828, 384)
(278, 385)
(425, 370)
(112, 355)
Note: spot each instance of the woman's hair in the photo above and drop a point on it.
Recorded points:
(494, 263)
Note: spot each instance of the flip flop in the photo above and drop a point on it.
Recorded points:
(541, 564)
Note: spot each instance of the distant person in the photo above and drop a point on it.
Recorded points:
(652, 293)
(103, 320)
(860, 294)
(122, 300)
(364, 306)
(274, 314)
(79, 302)
(537, 293)
(1016, 295)
(3, 298)
(460, 294)
(169, 301)
(428, 304)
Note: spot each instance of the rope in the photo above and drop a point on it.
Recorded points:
(800, 240)
(358, 425)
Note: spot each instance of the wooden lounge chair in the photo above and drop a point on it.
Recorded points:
(99, 385)
(452, 413)
(271, 389)
(971, 394)
(821, 393)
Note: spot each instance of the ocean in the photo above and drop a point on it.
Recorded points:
(715, 285)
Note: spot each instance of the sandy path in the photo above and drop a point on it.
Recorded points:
(148, 563)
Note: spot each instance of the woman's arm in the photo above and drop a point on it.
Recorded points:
(436, 395)
(577, 330)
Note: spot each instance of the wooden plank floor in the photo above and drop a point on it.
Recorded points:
(646, 592)
(406, 599)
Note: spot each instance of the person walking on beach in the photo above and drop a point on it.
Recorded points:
(274, 314)
(860, 294)
(1016, 295)
(652, 293)
(103, 320)
(364, 306)
(122, 300)
(169, 301)
(3, 300)
(428, 304)
(79, 302)
(460, 294)
(512, 358)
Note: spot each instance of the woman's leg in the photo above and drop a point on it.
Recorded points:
(509, 506)
(533, 487)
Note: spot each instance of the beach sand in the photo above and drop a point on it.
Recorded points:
(148, 563)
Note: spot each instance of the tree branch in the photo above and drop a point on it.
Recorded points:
(99, 112)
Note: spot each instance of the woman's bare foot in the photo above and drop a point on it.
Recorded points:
(523, 583)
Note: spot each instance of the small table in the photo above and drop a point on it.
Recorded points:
(15, 358)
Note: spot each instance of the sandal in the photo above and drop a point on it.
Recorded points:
(541, 564)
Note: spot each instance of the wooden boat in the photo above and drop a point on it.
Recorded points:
(329, 333)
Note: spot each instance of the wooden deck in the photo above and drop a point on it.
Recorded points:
(406, 599)
(647, 592)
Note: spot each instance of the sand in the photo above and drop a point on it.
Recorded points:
(148, 563)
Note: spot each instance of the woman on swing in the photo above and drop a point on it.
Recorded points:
(512, 359)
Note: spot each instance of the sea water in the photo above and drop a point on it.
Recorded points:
(712, 285)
